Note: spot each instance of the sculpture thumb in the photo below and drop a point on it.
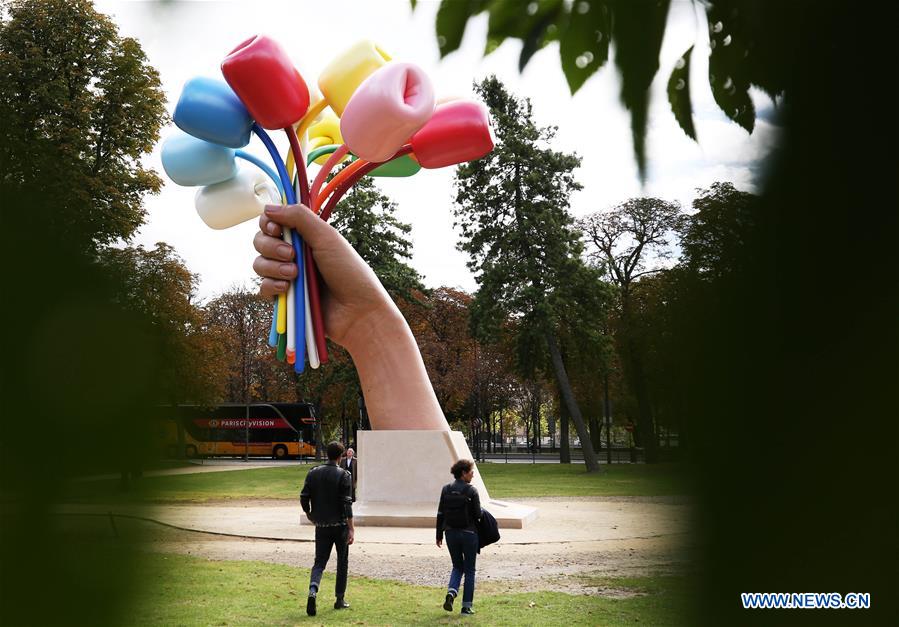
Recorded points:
(209, 110)
(263, 76)
(459, 131)
(190, 161)
(387, 109)
(340, 79)
(236, 200)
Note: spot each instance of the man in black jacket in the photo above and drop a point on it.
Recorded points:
(327, 500)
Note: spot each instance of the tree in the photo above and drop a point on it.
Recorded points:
(156, 285)
(243, 319)
(512, 211)
(442, 330)
(623, 239)
(80, 107)
(365, 217)
(781, 345)
(713, 238)
(667, 308)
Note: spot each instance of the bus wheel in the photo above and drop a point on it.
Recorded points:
(190, 451)
(279, 452)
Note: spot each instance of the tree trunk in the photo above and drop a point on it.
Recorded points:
(595, 432)
(491, 428)
(637, 381)
(590, 459)
(527, 432)
(564, 446)
(644, 407)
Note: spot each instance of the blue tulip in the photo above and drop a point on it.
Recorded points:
(193, 162)
(210, 110)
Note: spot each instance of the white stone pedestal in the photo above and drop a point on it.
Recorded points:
(401, 474)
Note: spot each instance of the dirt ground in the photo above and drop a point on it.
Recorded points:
(572, 540)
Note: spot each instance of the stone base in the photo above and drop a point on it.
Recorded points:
(401, 474)
(381, 514)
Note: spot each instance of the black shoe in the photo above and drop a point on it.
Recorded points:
(467, 610)
(448, 604)
(310, 605)
(340, 604)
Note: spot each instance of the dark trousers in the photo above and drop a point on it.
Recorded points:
(463, 549)
(325, 537)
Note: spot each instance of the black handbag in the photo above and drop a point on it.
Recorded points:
(488, 530)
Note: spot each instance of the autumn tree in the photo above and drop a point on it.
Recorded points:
(512, 212)
(156, 284)
(243, 319)
(442, 330)
(630, 241)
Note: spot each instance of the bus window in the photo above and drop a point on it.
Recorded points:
(277, 429)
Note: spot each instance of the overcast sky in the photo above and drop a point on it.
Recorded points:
(187, 39)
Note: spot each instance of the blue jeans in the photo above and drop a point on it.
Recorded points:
(463, 549)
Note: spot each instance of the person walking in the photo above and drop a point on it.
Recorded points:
(458, 514)
(351, 464)
(328, 503)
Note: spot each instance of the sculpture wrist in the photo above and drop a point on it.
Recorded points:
(398, 393)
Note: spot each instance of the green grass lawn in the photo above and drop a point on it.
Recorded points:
(181, 590)
(505, 481)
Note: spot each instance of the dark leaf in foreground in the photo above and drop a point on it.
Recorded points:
(584, 42)
(638, 29)
(679, 94)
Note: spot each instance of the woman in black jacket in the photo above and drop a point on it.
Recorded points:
(458, 514)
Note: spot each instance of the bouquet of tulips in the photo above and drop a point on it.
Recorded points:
(377, 113)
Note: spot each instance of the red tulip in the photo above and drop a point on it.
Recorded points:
(458, 131)
(262, 75)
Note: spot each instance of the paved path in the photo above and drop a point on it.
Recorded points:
(613, 536)
(560, 520)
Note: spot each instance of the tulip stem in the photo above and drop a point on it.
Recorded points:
(262, 165)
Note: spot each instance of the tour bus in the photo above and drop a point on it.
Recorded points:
(278, 430)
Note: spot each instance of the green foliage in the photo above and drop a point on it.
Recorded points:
(638, 28)
(512, 213)
(156, 284)
(80, 106)
(679, 94)
(624, 240)
(748, 40)
(512, 210)
(452, 17)
(631, 236)
(728, 76)
(584, 42)
(713, 238)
